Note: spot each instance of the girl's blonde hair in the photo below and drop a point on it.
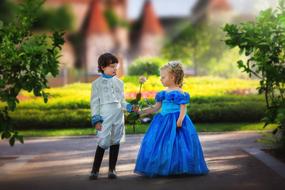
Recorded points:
(176, 69)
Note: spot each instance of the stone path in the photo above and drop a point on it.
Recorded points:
(65, 163)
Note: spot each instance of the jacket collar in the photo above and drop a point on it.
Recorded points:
(107, 76)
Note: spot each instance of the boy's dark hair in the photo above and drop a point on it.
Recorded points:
(105, 60)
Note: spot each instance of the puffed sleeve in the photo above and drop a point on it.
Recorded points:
(95, 106)
(182, 98)
(160, 96)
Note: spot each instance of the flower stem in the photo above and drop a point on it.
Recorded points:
(140, 88)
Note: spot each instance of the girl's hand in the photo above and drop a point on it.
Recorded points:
(136, 109)
(141, 112)
(179, 123)
(98, 126)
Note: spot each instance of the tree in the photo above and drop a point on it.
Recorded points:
(195, 46)
(26, 59)
(263, 42)
(7, 8)
(59, 18)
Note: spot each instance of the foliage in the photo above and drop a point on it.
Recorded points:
(47, 18)
(204, 109)
(55, 19)
(113, 20)
(263, 43)
(7, 9)
(75, 114)
(26, 60)
(146, 66)
(195, 47)
(212, 100)
(225, 66)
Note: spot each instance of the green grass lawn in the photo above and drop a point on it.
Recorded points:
(140, 129)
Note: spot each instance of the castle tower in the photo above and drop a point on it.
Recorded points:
(120, 32)
(220, 11)
(98, 38)
(151, 32)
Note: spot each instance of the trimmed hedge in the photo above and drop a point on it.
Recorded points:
(77, 114)
(52, 118)
(229, 112)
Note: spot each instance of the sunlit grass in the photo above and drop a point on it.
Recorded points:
(57, 132)
(223, 127)
(141, 129)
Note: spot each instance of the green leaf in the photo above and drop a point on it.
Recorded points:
(265, 124)
(1, 24)
(11, 104)
(20, 138)
(12, 141)
(45, 96)
(275, 131)
(240, 64)
(5, 135)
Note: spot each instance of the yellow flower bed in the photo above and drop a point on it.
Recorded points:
(79, 93)
(197, 86)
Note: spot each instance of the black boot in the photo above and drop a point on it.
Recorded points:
(114, 151)
(97, 163)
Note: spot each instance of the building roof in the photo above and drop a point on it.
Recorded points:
(220, 5)
(95, 21)
(150, 22)
(67, 1)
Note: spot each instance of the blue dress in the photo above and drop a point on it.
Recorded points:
(167, 150)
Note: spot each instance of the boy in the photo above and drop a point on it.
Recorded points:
(107, 105)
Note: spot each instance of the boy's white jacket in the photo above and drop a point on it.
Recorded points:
(106, 91)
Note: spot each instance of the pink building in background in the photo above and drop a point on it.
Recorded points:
(98, 37)
(134, 38)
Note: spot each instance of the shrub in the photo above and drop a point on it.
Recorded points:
(201, 109)
(229, 112)
(146, 66)
(49, 119)
(69, 106)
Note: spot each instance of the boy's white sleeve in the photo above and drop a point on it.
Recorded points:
(126, 106)
(95, 106)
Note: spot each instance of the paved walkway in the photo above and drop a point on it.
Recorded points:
(64, 163)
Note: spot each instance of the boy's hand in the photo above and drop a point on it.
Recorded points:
(179, 123)
(98, 126)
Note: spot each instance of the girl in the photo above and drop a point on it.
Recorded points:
(171, 145)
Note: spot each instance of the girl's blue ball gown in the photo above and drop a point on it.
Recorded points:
(167, 150)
